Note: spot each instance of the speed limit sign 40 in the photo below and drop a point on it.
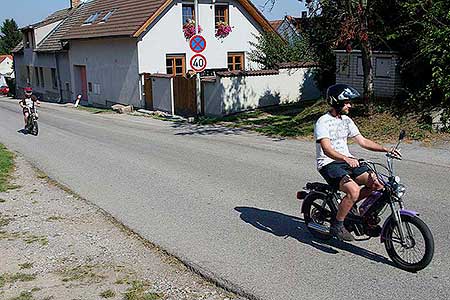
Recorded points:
(198, 62)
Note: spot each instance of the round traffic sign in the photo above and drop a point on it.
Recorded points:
(197, 43)
(198, 62)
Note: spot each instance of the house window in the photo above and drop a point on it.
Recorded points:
(92, 18)
(175, 65)
(383, 67)
(222, 14)
(188, 13)
(107, 16)
(36, 76)
(90, 87)
(54, 79)
(41, 75)
(344, 64)
(236, 61)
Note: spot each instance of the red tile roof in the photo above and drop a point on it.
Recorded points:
(276, 23)
(3, 57)
(128, 17)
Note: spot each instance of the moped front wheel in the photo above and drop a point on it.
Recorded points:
(417, 250)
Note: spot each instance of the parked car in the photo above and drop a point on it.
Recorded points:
(4, 90)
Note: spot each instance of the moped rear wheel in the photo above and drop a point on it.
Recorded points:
(419, 249)
(318, 212)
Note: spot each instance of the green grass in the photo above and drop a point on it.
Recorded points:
(7, 278)
(23, 296)
(139, 291)
(6, 168)
(27, 265)
(107, 294)
(297, 121)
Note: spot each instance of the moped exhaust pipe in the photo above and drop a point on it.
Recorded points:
(318, 227)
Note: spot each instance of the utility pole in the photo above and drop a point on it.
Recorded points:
(198, 80)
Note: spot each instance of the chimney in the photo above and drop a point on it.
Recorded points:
(74, 3)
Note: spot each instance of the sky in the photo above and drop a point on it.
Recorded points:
(26, 12)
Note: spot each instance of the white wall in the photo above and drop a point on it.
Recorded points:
(6, 66)
(233, 94)
(166, 37)
(112, 64)
(41, 32)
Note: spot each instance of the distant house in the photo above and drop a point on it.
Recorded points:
(290, 27)
(387, 82)
(102, 49)
(6, 66)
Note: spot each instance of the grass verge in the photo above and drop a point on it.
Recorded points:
(6, 168)
(297, 121)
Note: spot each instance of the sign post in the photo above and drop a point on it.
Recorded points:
(198, 81)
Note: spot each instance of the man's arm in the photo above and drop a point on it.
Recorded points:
(369, 144)
(333, 154)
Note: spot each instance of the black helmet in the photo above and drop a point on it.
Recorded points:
(339, 93)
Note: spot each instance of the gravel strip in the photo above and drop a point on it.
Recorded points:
(55, 245)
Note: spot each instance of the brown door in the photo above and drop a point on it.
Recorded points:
(148, 92)
(184, 94)
(81, 82)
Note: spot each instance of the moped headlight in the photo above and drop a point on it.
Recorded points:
(397, 179)
(400, 191)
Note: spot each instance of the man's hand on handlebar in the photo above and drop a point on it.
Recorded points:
(394, 153)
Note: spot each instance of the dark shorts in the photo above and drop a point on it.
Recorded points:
(335, 171)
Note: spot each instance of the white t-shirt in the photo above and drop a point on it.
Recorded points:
(337, 130)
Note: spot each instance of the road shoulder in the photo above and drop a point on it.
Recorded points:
(58, 246)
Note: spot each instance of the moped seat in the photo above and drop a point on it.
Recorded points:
(320, 187)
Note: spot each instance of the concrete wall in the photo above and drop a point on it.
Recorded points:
(6, 66)
(387, 82)
(166, 37)
(47, 61)
(162, 94)
(111, 68)
(233, 94)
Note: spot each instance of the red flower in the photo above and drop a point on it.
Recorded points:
(222, 30)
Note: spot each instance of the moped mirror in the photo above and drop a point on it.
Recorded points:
(402, 135)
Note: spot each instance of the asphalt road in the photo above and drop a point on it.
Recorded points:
(223, 201)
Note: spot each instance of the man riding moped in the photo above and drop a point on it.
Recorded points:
(335, 163)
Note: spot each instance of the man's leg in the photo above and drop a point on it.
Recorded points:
(352, 189)
(370, 182)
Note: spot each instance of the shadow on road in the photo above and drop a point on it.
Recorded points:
(195, 129)
(289, 226)
(23, 131)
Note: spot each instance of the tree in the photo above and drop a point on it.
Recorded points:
(270, 49)
(10, 36)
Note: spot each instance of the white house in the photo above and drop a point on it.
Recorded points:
(123, 52)
(6, 66)
(102, 49)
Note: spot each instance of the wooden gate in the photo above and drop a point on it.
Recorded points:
(148, 92)
(184, 94)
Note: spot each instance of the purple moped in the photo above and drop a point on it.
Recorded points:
(407, 239)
